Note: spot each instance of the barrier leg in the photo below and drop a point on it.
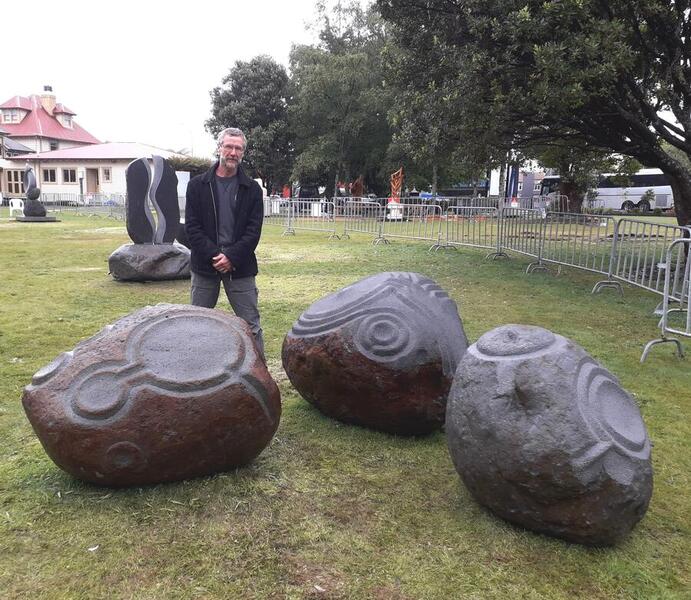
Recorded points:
(535, 266)
(650, 344)
(608, 283)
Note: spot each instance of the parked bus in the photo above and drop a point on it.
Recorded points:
(610, 194)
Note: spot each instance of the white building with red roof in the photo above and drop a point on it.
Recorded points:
(66, 158)
(42, 124)
(93, 169)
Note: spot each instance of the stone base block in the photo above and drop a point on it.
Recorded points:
(150, 262)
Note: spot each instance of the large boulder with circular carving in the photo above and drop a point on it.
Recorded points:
(379, 353)
(545, 437)
(166, 393)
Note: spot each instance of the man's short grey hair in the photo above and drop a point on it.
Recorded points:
(231, 131)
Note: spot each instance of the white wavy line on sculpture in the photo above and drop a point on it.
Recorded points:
(158, 176)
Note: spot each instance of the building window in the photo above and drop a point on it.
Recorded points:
(107, 175)
(69, 175)
(53, 144)
(67, 120)
(11, 115)
(50, 176)
(520, 186)
(15, 184)
(537, 186)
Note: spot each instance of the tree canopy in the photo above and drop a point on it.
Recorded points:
(613, 74)
(253, 97)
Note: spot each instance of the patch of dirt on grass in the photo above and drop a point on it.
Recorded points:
(315, 580)
(389, 593)
(355, 513)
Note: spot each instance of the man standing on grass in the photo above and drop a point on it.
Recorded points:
(223, 218)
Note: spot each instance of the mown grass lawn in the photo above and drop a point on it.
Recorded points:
(327, 510)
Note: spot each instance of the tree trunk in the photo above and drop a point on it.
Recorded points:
(336, 183)
(434, 180)
(502, 180)
(681, 189)
(574, 196)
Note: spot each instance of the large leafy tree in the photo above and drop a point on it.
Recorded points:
(253, 97)
(614, 74)
(339, 99)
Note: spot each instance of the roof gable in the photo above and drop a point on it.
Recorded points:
(39, 123)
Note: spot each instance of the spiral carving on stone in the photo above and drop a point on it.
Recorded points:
(615, 423)
(389, 315)
(384, 336)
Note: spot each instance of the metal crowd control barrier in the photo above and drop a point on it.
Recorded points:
(472, 202)
(472, 226)
(311, 214)
(521, 231)
(638, 254)
(414, 222)
(109, 205)
(276, 211)
(577, 240)
(677, 289)
(363, 216)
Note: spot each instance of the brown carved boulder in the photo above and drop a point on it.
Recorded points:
(379, 353)
(545, 437)
(166, 393)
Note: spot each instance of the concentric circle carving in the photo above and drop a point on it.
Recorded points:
(384, 336)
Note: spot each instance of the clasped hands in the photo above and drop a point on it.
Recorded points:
(221, 263)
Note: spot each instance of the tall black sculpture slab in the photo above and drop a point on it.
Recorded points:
(164, 196)
(153, 256)
(140, 221)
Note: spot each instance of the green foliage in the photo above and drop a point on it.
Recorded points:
(194, 165)
(534, 72)
(339, 101)
(253, 97)
(579, 165)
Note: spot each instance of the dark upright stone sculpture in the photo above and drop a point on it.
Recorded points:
(165, 393)
(546, 438)
(33, 209)
(379, 353)
(164, 196)
(153, 256)
(139, 219)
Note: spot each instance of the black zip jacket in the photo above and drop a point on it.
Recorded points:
(201, 224)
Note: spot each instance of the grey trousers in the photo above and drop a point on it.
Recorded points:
(242, 295)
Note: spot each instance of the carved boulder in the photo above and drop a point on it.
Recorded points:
(545, 437)
(380, 353)
(166, 393)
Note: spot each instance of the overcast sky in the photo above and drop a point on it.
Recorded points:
(142, 70)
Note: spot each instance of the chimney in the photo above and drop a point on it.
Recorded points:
(48, 99)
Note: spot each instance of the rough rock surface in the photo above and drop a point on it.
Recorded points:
(34, 208)
(546, 438)
(379, 353)
(165, 393)
(150, 262)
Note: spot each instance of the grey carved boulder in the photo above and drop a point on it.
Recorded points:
(165, 393)
(545, 437)
(379, 353)
(150, 262)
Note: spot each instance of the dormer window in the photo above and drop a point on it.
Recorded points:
(11, 115)
(65, 120)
